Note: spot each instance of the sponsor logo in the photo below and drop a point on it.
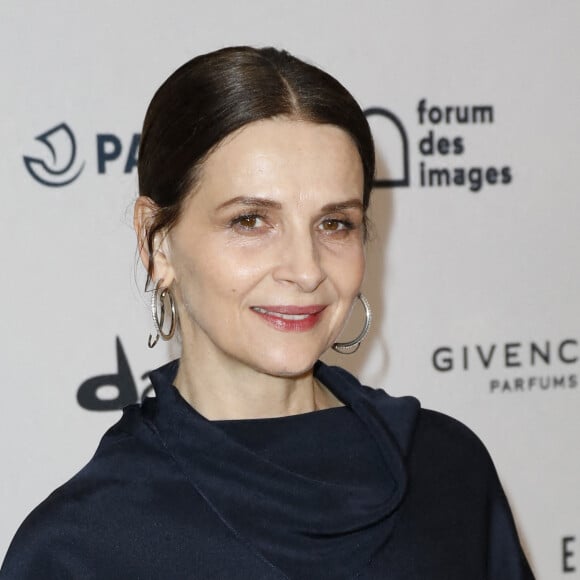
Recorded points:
(569, 554)
(62, 168)
(113, 391)
(530, 364)
(391, 138)
(441, 153)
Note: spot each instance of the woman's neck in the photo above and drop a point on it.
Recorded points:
(236, 391)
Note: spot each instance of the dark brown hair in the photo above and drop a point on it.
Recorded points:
(215, 94)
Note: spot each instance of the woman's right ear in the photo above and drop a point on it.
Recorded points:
(155, 258)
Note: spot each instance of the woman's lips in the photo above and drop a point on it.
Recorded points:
(290, 318)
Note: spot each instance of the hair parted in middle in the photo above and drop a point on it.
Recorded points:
(214, 95)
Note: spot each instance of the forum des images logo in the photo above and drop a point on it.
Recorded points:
(440, 157)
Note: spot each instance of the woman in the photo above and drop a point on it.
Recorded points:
(255, 461)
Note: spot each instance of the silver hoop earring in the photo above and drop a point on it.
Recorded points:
(352, 345)
(159, 296)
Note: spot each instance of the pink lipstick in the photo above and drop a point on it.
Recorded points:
(288, 318)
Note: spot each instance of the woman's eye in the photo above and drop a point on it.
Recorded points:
(335, 225)
(247, 222)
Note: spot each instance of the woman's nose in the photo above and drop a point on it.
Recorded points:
(299, 262)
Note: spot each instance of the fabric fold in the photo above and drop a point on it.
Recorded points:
(297, 521)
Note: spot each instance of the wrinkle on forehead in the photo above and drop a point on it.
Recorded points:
(276, 156)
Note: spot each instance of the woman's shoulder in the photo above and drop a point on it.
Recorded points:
(442, 428)
(423, 429)
(445, 449)
(119, 456)
(74, 516)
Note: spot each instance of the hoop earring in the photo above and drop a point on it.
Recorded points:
(353, 345)
(159, 296)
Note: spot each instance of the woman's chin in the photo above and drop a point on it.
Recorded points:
(287, 364)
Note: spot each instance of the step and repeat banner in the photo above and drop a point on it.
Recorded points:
(473, 263)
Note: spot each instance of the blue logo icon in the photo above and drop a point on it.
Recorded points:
(59, 171)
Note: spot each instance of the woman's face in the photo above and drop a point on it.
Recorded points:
(268, 255)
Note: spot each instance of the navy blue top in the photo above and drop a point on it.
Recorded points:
(377, 489)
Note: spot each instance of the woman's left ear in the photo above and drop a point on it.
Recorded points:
(143, 218)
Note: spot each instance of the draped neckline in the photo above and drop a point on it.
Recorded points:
(302, 522)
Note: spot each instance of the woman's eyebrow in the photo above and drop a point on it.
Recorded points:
(341, 206)
(250, 201)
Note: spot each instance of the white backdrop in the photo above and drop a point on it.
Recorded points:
(475, 284)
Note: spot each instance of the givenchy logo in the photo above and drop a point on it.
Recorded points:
(536, 355)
